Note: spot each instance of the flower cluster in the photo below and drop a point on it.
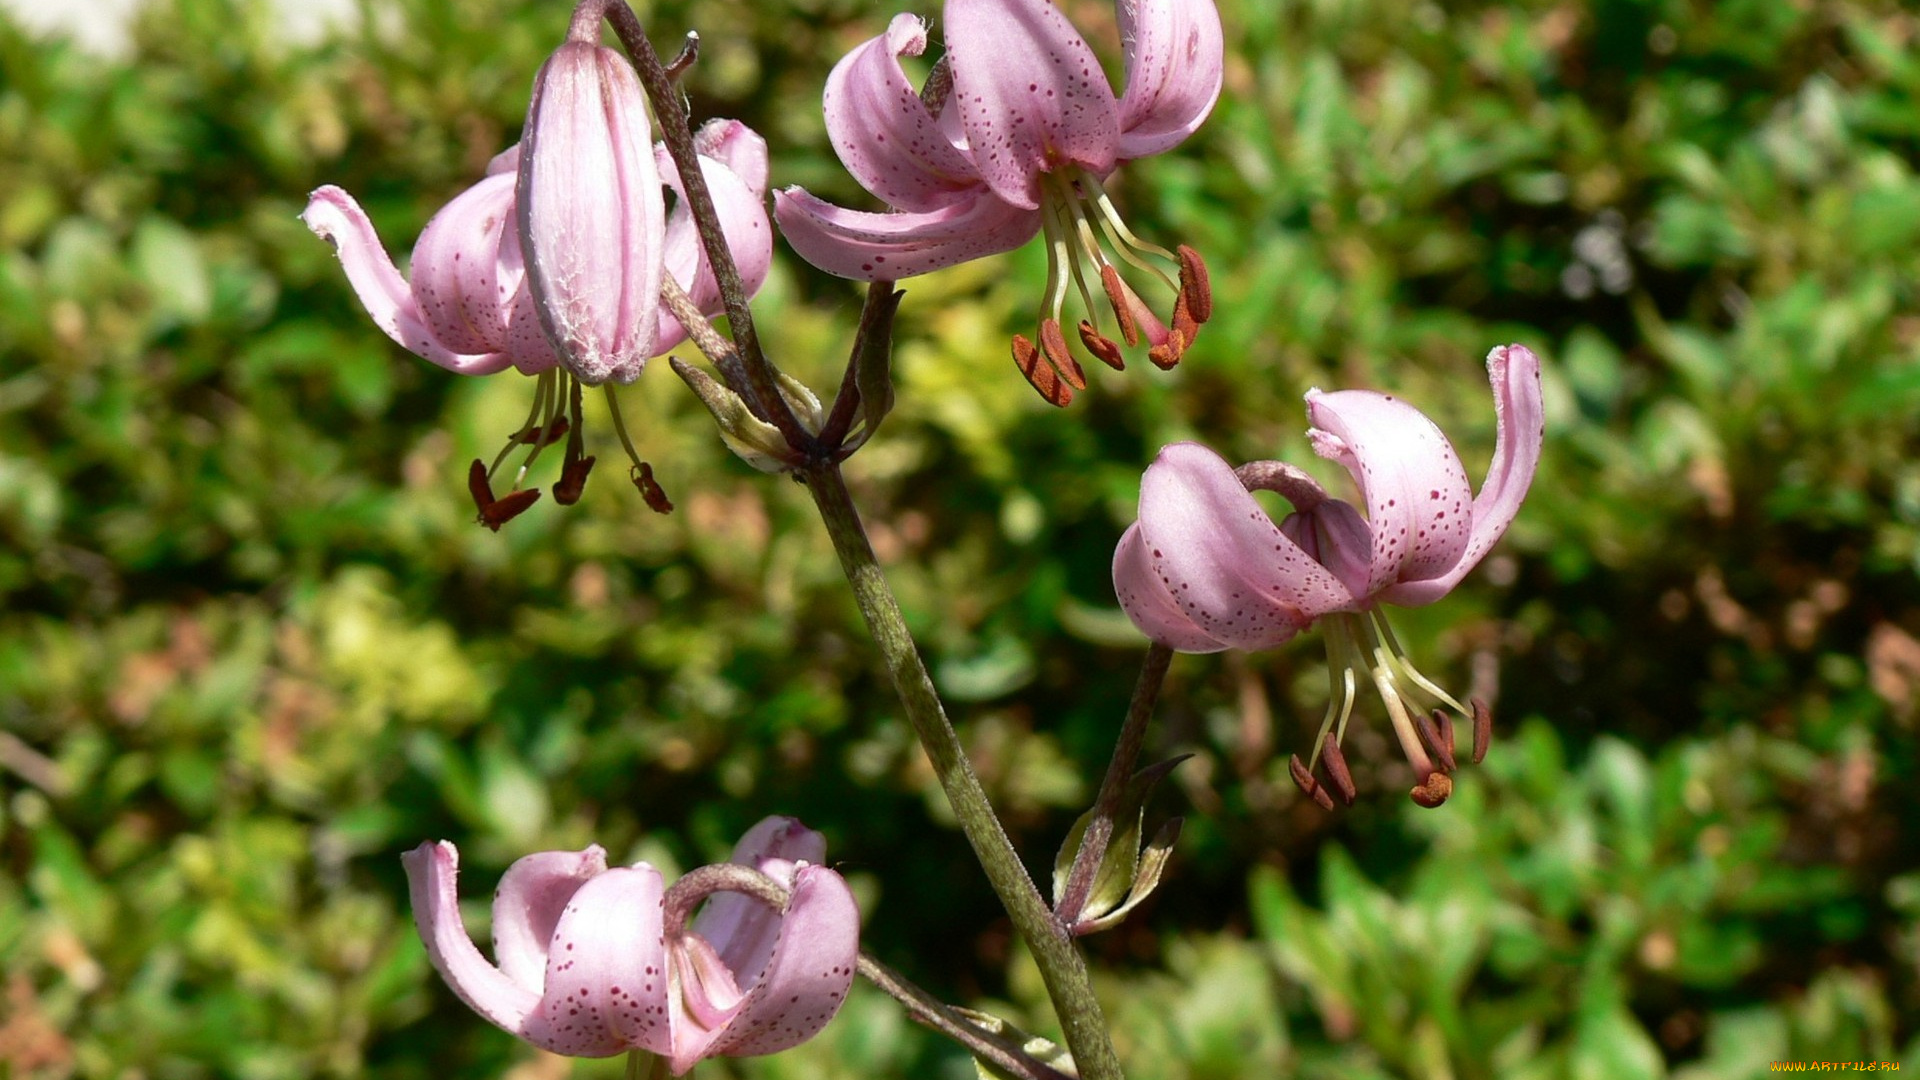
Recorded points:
(593, 961)
(553, 263)
(1014, 136)
(1205, 568)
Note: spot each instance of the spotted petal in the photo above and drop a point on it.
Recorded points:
(741, 929)
(333, 215)
(606, 970)
(527, 906)
(883, 132)
(1143, 596)
(1419, 504)
(1175, 61)
(457, 270)
(1222, 559)
(432, 870)
(887, 247)
(806, 977)
(1520, 431)
(1030, 92)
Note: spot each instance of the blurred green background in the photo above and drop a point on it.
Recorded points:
(252, 644)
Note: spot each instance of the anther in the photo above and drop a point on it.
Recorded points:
(650, 489)
(1307, 783)
(478, 487)
(1430, 734)
(1167, 355)
(1195, 286)
(1445, 723)
(573, 481)
(1055, 345)
(1337, 769)
(1124, 300)
(1482, 729)
(1039, 373)
(1104, 349)
(510, 506)
(1434, 791)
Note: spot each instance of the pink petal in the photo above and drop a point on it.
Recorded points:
(527, 906)
(526, 340)
(743, 220)
(431, 873)
(592, 214)
(743, 930)
(888, 247)
(1419, 504)
(739, 148)
(807, 976)
(1514, 372)
(1143, 596)
(1337, 537)
(457, 280)
(1222, 559)
(334, 216)
(708, 996)
(883, 133)
(1175, 61)
(606, 970)
(506, 161)
(1030, 92)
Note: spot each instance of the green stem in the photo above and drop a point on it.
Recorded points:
(1120, 769)
(1062, 968)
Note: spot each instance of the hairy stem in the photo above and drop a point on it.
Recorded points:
(1062, 968)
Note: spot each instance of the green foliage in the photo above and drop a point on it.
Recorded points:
(252, 646)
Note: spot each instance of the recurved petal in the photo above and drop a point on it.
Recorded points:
(741, 929)
(883, 132)
(592, 213)
(1030, 92)
(743, 220)
(607, 970)
(432, 870)
(1175, 61)
(888, 247)
(334, 216)
(739, 148)
(457, 279)
(1222, 559)
(527, 906)
(1143, 596)
(1519, 435)
(806, 978)
(1419, 504)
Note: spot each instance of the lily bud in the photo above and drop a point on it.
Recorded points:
(591, 212)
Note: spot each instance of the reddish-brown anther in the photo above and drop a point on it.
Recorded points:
(1195, 286)
(1124, 301)
(1305, 781)
(1482, 729)
(478, 487)
(1103, 349)
(508, 507)
(1434, 791)
(650, 489)
(1337, 770)
(1040, 373)
(1440, 746)
(573, 481)
(1166, 356)
(1054, 343)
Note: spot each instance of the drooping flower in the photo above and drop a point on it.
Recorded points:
(589, 961)
(1013, 136)
(1205, 569)
(553, 263)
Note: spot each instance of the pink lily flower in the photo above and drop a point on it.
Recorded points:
(585, 208)
(1205, 569)
(590, 962)
(1018, 143)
